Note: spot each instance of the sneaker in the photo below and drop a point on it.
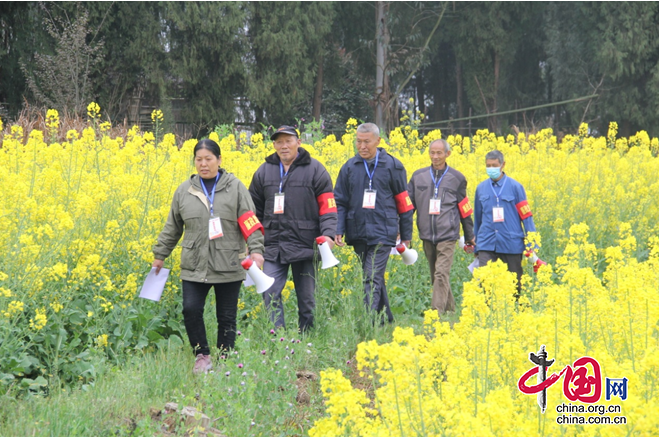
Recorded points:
(202, 364)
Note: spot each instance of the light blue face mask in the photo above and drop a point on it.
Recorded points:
(493, 172)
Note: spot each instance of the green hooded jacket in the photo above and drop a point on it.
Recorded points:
(202, 259)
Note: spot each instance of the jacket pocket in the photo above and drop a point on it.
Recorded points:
(391, 223)
(351, 226)
(189, 253)
(509, 199)
(308, 227)
(224, 258)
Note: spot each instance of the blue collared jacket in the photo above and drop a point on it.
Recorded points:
(505, 237)
(393, 211)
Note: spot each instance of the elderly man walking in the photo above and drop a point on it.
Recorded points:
(439, 195)
(373, 209)
(500, 211)
(293, 198)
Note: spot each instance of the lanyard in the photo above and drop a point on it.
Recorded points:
(440, 179)
(282, 175)
(212, 195)
(370, 175)
(502, 186)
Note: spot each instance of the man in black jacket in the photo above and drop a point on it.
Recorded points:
(439, 195)
(293, 199)
(373, 207)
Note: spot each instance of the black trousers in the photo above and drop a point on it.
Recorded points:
(374, 264)
(513, 261)
(304, 278)
(226, 306)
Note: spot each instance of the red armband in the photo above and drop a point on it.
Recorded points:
(249, 224)
(326, 203)
(524, 210)
(403, 202)
(465, 208)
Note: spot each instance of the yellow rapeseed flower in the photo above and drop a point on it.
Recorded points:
(39, 321)
(52, 120)
(157, 116)
(102, 341)
(14, 307)
(286, 292)
(94, 111)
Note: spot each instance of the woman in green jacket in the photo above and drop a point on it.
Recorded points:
(216, 212)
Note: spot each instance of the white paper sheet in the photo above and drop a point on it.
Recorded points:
(473, 265)
(154, 284)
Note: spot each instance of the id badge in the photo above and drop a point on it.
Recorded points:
(435, 206)
(279, 203)
(497, 214)
(214, 228)
(369, 199)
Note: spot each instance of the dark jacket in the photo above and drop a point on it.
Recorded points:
(382, 224)
(204, 260)
(452, 191)
(309, 208)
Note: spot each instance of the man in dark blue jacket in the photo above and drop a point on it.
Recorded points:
(373, 209)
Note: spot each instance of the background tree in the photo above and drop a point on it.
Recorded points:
(21, 34)
(274, 62)
(611, 49)
(285, 39)
(63, 80)
(205, 58)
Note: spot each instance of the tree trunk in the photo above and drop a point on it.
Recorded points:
(458, 97)
(420, 92)
(318, 92)
(495, 122)
(381, 43)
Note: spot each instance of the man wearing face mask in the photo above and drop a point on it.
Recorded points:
(502, 216)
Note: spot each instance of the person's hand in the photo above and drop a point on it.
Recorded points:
(157, 263)
(257, 258)
(339, 240)
(407, 243)
(329, 241)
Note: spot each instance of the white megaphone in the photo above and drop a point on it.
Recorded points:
(537, 262)
(466, 247)
(409, 255)
(261, 280)
(328, 258)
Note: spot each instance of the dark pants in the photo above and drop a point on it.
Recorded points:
(374, 264)
(512, 260)
(304, 278)
(226, 306)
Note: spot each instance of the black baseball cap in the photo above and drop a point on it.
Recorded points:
(288, 130)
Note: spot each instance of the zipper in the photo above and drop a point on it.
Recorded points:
(432, 219)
